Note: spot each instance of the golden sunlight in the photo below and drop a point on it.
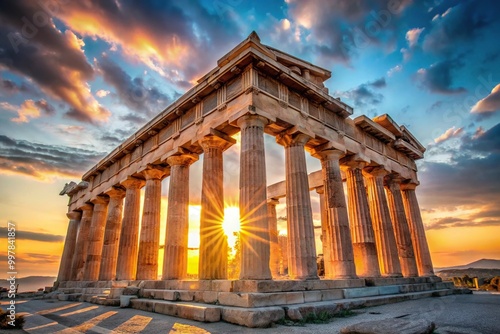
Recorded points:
(231, 224)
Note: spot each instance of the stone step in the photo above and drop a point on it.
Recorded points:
(186, 310)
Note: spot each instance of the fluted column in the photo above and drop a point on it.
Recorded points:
(176, 236)
(412, 209)
(213, 241)
(254, 235)
(126, 268)
(382, 226)
(112, 233)
(301, 242)
(337, 250)
(401, 228)
(96, 237)
(149, 241)
(363, 239)
(274, 261)
(82, 243)
(69, 246)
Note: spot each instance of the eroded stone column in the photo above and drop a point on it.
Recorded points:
(112, 232)
(254, 234)
(82, 243)
(301, 241)
(338, 251)
(176, 236)
(412, 209)
(363, 239)
(401, 228)
(382, 226)
(149, 242)
(69, 246)
(213, 241)
(96, 237)
(274, 261)
(126, 268)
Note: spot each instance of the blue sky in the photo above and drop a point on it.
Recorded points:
(77, 78)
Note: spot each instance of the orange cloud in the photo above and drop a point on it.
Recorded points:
(450, 133)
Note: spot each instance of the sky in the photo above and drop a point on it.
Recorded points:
(78, 77)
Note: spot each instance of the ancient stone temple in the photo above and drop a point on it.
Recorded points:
(373, 239)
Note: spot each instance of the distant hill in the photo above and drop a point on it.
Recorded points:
(479, 264)
(31, 283)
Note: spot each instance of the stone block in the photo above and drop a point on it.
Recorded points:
(332, 294)
(131, 291)
(294, 297)
(125, 300)
(388, 290)
(361, 292)
(222, 285)
(312, 296)
(63, 297)
(233, 299)
(256, 317)
(186, 295)
(171, 295)
(142, 304)
(208, 297)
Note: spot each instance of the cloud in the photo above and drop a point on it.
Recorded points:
(469, 178)
(413, 35)
(133, 92)
(102, 93)
(29, 109)
(183, 36)
(394, 70)
(457, 26)
(11, 87)
(448, 134)
(339, 29)
(42, 161)
(447, 222)
(488, 105)
(35, 236)
(364, 95)
(52, 59)
(438, 79)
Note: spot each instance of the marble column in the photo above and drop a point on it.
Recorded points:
(274, 261)
(254, 234)
(82, 243)
(69, 246)
(382, 225)
(126, 267)
(419, 240)
(401, 228)
(337, 251)
(176, 235)
(112, 232)
(363, 238)
(301, 241)
(213, 241)
(149, 241)
(96, 238)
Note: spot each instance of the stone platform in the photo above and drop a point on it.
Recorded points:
(253, 303)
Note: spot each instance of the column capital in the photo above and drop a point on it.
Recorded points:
(74, 215)
(378, 171)
(273, 201)
(87, 207)
(132, 183)
(116, 193)
(252, 120)
(183, 159)
(354, 162)
(411, 185)
(326, 154)
(154, 172)
(296, 139)
(100, 200)
(214, 141)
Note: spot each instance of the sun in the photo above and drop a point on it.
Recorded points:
(231, 224)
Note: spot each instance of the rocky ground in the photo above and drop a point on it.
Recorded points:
(458, 314)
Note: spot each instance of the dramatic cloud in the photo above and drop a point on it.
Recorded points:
(438, 77)
(35, 236)
(52, 59)
(469, 178)
(10, 87)
(340, 28)
(447, 222)
(167, 36)
(489, 104)
(43, 161)
(457, 26)
(450, 133)
(29, 109)
(133, 92)
(364, 95)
